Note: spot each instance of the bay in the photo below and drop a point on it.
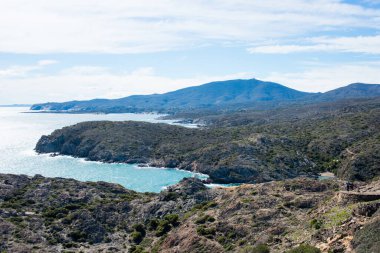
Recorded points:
(19, 133)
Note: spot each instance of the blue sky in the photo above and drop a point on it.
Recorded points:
(66, 50)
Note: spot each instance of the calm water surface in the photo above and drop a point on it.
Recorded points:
(19, 133)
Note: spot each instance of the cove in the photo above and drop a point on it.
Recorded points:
(19, 132)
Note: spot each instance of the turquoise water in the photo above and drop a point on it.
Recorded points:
(19, 132)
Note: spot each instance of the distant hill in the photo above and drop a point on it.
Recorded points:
(222, 94)
(355, 90)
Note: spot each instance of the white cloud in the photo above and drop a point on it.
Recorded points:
(46, 62)
(84, 70)
(24, 70)
(126, 26)
(359, 44)
(16, 71)
(324, 78)
(146, 71)
(88, 82)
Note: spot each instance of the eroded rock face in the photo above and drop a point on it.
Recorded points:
(367, 239)
(55, 214)
(47, 144)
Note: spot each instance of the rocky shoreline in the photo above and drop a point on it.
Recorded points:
(39, 214)
(198, 150)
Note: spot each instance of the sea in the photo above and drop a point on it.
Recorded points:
(20, 129)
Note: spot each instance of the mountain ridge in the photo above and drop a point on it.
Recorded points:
(231, 94)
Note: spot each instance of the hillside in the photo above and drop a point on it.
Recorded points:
(232, 94)
(242, 147)
(40, 214)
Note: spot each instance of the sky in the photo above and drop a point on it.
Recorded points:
(75, 50)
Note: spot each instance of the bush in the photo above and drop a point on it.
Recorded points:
(136, 249)
(152, 224)
(172, 219)
(139, 228)
(170, 196)
(78, 236)
(70, 245)
(137, 237)
(304, 248)
(71, 207)
(204, 219)
(139, 233)
(55, 213)
(163, 227)
(317, 224)
(16, 219)
(205, 205)
(202, 230)
(261, 248)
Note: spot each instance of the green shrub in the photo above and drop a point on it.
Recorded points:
(70, 245)
(55, 213)
(139, 233)
(254, 192)
(171, 196)
(304, 248)
(136, 249)
(139, 228)
(163, 227)
(204, 219)
(72, 207)
(221, 239)
(317, 224)
(202, 230)
(77, 236)
(152, 224)
(205, 205)
(261, 248)
(16, 219)
(172, 219)
(137, 237)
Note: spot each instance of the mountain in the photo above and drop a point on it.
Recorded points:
(232, 94)
(223, 93)
(354, 90)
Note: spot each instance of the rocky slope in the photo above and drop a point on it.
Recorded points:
(40, 214)
(241, 147)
